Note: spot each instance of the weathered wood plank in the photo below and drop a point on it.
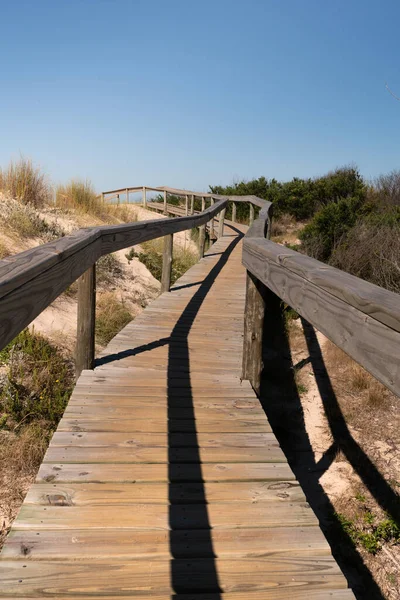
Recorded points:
(93, 494)
(154, 545)
(102, 577)
(134, 473)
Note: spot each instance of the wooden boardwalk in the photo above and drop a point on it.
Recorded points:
(164, 479)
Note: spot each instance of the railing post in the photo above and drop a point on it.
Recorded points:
(253, 331)
(203, 203)
(221, 222)
(118, 199)
(251, 215)
(144, 197)
(202, 240)
(212, 222)
(84, 355)
(102, 197)
(167, 263)
(187, 205)
(234, 212)
(127, 196)
(192, 205)
(165, 203)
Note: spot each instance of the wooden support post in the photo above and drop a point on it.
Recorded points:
(202, 240)
(203, 204)
(192, 205)
(84, 355)
(167, 263)
(165, 203)
(102, 197)
(234, 212)
(127, 196)
(253, 331)
(221, 222)
(251, 215)
(212, 222)
(186, 205)
(118, 199)
(144, 197)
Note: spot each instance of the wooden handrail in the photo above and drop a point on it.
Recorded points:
(31, 280)
(359, 317)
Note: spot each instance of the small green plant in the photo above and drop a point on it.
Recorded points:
(151, 257)
(360, 497)
(39, 381)
(371, 540)
(130, 255)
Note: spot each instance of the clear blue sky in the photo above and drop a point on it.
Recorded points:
(188, 94)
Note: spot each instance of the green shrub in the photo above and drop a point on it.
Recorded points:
(39, 380)
(24, 182)
(301, 198)
(329, 225)
(151, 257)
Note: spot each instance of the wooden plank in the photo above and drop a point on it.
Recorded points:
(136, 473)
(102, 577)
(163, 440)
(131, 454)
(296, 593)
(163, 516)
(127, 544)
(132, 425)
(94, 494)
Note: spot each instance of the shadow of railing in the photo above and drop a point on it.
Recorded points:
(342, 438)
(281, 402)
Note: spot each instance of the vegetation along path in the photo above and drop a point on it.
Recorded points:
(164, 476)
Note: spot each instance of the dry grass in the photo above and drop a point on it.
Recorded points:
(352, 379)
(4, 252)
(26, 183)
(121, 212)
(111, 316)
(79, 196)
(281, 224)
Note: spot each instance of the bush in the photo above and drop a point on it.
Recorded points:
(301, 198)
(25, 183)
(371, 250)
(111, 316)
(38, 383)
(329, 225)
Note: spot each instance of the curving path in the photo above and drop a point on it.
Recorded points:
(164, 479)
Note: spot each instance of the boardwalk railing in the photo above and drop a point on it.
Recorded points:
(31, 280)
(359, 317)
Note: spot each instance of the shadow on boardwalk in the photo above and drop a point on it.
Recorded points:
(283, 407)
(202, 568)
